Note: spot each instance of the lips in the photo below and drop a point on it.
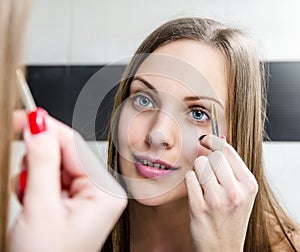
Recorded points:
(152, 168)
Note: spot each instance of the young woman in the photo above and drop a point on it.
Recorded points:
(52, 218)
(162, 107)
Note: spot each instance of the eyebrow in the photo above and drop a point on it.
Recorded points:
(196, 98)
(188, 98)
(146, 83)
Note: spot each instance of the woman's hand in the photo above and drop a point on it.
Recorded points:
(63, 210)
(221, 192)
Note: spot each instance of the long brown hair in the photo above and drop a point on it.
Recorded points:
(13, 14)
(245, 116)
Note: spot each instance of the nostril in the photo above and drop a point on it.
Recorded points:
(165, 144)
(157, 138)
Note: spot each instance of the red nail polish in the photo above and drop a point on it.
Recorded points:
(22, 184)
(36, 120)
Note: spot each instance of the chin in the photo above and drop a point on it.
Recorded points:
(150, 198)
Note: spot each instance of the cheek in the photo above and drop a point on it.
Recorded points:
(131, 129)
(191, 147)
(136, 130)
(189, 143)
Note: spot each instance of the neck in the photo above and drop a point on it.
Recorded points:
(164, 227)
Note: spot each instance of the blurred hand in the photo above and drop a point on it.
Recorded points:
(221, 192)
(63, 210)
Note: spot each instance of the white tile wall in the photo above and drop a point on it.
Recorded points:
(48, 33)
(100, 32)
(107, 32)
(274, 24)
(282, 165)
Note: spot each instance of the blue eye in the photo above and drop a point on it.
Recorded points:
(143, 101)
(199, 115)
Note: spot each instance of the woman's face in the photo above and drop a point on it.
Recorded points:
(166, 113)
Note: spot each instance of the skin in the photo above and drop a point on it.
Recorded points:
(205, 205)
(55, 217)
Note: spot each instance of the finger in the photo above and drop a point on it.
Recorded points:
(195, 194)
(82, 187)
(213, 143)
(19, 121)
(205, 173)
(239, 168)
(82, 190)
(43, 167)
(69, 153)
(222, 169)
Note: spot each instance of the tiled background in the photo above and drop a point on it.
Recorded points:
(56, 88)
(69, 32)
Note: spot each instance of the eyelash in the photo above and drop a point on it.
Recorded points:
(135, 100)
(135, 97)
(199, 109)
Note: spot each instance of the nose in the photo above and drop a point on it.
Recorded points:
(163, 132)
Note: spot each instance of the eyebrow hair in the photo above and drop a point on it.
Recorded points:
(195, 98)
(188, 98)
(146, 83)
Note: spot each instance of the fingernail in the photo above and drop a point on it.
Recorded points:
(223, 137)
(200, 138)
(22, 184)
(37, 123)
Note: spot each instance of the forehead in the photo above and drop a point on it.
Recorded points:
(197, 66)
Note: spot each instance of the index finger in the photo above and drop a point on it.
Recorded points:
(236, 163)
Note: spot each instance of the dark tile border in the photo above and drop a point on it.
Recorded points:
(56, 88)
